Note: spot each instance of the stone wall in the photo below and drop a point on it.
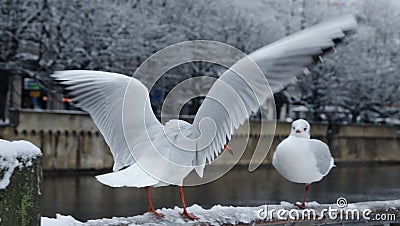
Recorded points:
(70, 140)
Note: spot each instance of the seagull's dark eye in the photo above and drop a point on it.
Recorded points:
(293, 127)
(305, 129)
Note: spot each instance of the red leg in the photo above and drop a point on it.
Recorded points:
(306, 194)
(303, 205)
(185, 213)
(151, 209)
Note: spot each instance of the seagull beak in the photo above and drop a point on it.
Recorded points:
(298, 131)
(227, 148)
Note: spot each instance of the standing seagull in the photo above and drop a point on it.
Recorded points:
(303, 160)
(159, 155)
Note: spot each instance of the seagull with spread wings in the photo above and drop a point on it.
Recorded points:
(149, 154)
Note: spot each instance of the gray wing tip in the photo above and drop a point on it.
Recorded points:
(58, 75)
(345, 22)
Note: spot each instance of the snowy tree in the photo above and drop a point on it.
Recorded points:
(41, 36)
(368, 77)
(18, 30)
(361, 75)
(209, 20)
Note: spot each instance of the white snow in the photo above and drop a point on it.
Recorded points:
(4, 121)
(60, 220)
(15, 154)
(219, 215)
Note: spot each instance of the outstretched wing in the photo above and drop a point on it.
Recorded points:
(234, 96)
(101, 94)
(322, 155)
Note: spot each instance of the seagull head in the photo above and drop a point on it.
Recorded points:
(300, 128)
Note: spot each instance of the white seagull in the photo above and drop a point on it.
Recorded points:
(147, 153)
(300, 159)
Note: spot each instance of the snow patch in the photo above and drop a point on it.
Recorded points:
(60, 220)
(15, 154)
(4, 121)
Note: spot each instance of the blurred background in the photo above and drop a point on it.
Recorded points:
(353, 96)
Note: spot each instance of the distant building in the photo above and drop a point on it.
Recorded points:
(24, 92)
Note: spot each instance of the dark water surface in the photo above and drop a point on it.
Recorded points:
(84, 198)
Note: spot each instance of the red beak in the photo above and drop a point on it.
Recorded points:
(298, 131)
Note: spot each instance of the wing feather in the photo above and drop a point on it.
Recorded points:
(322, 155)
(101, 94)
(280, 61)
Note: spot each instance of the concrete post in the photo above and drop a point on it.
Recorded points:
(20, 199)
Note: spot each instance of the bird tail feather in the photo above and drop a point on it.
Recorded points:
(132, 176)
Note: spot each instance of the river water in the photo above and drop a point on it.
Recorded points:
(84, 198)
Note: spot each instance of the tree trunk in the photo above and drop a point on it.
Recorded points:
(4, 84)
(355, 115)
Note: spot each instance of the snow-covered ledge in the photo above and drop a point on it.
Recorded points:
(316, 214)
(20, 183)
